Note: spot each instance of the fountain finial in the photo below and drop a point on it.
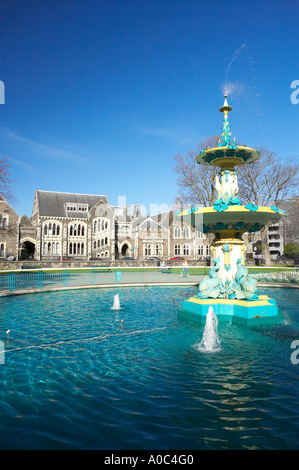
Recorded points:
(226, 135)
(225, 108)
(227, 154)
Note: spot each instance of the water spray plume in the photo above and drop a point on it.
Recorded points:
(235, 57)
(229, 88)
(210, 342)
(116, 303)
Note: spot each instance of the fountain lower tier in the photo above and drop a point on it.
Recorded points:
(228, 285)
(228, 248)
(242, 312)
(230, 221)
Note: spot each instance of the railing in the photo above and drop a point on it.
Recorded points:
(43, 280)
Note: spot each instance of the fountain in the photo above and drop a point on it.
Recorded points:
(210, 342)
(116, 303)
(228, 287)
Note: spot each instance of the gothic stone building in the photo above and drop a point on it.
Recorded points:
(81, 226)
(72, 226)
(9, 230)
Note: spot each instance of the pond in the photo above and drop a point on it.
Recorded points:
(80, 375)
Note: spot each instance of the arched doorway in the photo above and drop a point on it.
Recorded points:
(27, 250)
(124, 250)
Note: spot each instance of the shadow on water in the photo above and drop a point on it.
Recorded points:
(282, 333)
(287, 330)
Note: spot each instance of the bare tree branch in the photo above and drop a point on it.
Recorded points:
(196, 182)
(268, 180)
(5, 180)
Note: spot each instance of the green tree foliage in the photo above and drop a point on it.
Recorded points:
(291, 248)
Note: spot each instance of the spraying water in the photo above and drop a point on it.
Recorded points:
(228, 87)
(210, 342)
(241, 84)
(116, 303)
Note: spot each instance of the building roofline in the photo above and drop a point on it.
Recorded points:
(67, 192)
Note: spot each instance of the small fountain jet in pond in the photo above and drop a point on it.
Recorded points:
(210, 341)
(116, 303)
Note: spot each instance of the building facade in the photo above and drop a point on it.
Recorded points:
(83, 227)
(87, 227)
(9, 230)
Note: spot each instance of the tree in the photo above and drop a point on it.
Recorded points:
(266, 181)
(291, 220)
(5, 180)
(291, 248)
(196, 182)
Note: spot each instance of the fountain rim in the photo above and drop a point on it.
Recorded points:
(236, 208)
(232, 220)
(224, 161)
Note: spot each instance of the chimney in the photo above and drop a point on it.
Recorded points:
(128, 211)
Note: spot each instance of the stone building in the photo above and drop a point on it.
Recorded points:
(72, 226)
(9, 230)
(85, 227)
(27, 239)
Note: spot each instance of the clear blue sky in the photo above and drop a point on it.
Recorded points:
(100, 95)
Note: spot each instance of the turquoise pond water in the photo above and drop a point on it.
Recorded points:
(73, 378)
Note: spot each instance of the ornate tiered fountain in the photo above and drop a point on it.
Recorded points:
(228, 288)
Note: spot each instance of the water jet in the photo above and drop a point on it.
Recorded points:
(116, 303)
(210, 342)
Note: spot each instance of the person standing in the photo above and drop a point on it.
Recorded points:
(185, 272)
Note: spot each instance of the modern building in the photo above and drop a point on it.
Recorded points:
(276, 239)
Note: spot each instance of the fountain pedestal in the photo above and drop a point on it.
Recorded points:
(242, 312)
(228, 287)
(228, 251)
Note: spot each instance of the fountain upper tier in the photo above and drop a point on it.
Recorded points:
(228, 218)
(227, 154)
(227, 157)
